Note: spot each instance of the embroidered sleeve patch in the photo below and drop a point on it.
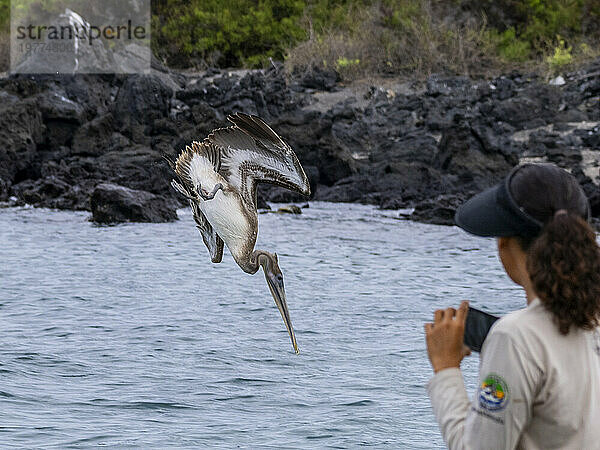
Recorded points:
(493, 393)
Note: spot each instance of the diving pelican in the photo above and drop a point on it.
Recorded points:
(219, 177)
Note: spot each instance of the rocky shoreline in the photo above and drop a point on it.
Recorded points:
(76, 142)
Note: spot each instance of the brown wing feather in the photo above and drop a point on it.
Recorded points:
(251, 152)
(256, 127)
(211, 239)
(182, 164)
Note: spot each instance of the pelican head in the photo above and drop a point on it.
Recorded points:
(274, 278)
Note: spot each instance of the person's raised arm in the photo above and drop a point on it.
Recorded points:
(501, 407)
(447, 391)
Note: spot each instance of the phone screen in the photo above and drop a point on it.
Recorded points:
(477, 328)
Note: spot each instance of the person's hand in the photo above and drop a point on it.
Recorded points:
(445, 337)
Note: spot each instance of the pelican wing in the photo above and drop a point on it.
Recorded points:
(251, 152)
(211, 239)
(183, 168)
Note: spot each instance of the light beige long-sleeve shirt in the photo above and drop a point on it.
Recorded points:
(538, 389)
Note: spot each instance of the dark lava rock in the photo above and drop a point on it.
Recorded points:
(438, 211)
(53, 192)
(533, 107)
(290, 209)
(136, 167)
(142, 99)
(261, 202)
(320, 79)
(592, 191)
(3, 190)
(425, 147)
(111, 203)
(93, 138)
(35, 192)
(505, 88)
(440, 85)
(590, 138)
(465, 152)
(55, 105)
(21, 129)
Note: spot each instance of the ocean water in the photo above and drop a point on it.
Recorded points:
(129, 336)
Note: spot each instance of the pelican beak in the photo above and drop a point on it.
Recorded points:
(278, 293)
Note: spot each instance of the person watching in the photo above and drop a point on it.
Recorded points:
(539, 376)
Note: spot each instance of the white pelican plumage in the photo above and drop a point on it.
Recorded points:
(219, 176)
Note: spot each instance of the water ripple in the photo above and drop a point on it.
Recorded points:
(128, 336)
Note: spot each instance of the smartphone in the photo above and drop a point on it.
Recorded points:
(477, 328)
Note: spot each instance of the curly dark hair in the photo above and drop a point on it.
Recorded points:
(564, 267)
(563, 261)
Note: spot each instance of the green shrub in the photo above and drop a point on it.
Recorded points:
(384, 36)
(538, 22)
(345, 62)
(226, 32)
(4, 35)
(547, 18)
(4, 14)
(391, 37)
(509, 46)
(562, 55)
(348, 67)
